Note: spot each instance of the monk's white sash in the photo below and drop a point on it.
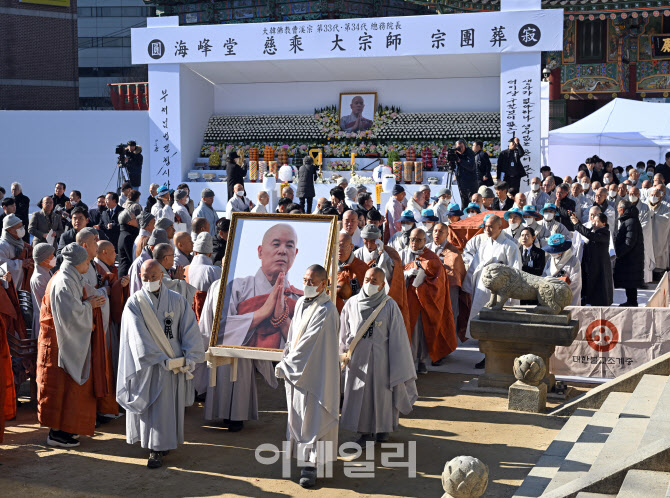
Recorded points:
(307, 316)
(346, 357)
(158, 335)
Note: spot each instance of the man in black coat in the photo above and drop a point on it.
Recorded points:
(466, 173)
(132, 161)
(596, 265)
(22, 203)
(235, 173)
(482, 164)
(80, 219)
(220, 240)
(109, 221)
(306, 177)
(95, 214)
(502, 202)
(565, 205)
(510, 168)
(128, 232)
(629, 248)
(59, 196)
(664, 168)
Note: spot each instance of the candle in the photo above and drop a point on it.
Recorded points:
(253, 170)
(353, 158)
(319, 159)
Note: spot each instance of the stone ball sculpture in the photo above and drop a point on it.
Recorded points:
(529, 369)
(505, 283)
(465, 477)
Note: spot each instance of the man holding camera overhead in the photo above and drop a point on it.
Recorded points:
(132, 161)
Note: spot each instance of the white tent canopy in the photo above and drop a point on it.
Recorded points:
(623, 131)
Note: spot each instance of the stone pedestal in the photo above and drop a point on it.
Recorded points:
(526, 398)
(515, 331)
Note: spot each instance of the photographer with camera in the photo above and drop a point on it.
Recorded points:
(466, 170)
(509, 166)
(131, 159)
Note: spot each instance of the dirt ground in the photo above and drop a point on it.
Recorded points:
(445, 423)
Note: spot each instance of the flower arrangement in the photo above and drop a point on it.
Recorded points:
(393, 131)
(340, 166)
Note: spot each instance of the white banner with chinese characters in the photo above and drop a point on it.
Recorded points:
(612, 341)
(165, 125)
(453, 34)
(520, 109)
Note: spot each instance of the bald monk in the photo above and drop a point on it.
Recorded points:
(158, 326)
(119, 292)
(70, 358)
(433, 334)
(377, 255)
(455, 268)
(258, 310)
(379, 380)
(95, 283)
(350, 271)
(311, 373)
(7, 391)
(183, 247)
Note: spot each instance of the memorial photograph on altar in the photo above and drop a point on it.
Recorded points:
(357, 111)
(266, 258)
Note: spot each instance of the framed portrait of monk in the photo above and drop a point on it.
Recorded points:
(262, 276)
(357, 111)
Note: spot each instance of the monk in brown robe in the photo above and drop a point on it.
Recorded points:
(350, 272)
(7, 391)
(433, 334)
(71, 359)
(455, 268)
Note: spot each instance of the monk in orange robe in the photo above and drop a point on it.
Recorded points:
(71, 359)
(432, 332)
(455, 267)
(7, 391)
(350, 273)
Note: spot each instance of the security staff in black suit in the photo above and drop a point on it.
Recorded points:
(509, 165)
(532, 257)
(109, 221)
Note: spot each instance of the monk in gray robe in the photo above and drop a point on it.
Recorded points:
(158, 236)
(164, 254)
(258, 310)
(45, 260)
(379, 373)
(311, 371)
(160, 347)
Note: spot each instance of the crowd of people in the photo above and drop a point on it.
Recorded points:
(124, 294)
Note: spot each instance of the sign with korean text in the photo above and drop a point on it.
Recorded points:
(164, 135)
(520, 107)
(454, 34)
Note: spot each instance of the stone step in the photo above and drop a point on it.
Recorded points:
(586, 449)
(659, 424)
(546, 467)
(644, 484)
(633, 420)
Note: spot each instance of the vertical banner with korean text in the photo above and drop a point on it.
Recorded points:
(165, 123)
(520, 78)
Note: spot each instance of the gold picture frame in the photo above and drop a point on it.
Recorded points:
(344, 106)
(329, 264)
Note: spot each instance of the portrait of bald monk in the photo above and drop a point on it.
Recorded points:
(355, 121)
(259, 307)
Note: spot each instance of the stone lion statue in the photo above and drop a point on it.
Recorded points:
(505, 283)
